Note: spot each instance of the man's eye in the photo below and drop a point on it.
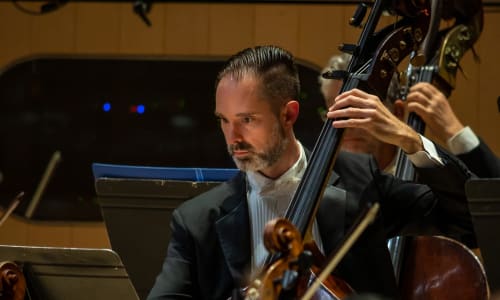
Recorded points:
(221, 120)
(247, 119)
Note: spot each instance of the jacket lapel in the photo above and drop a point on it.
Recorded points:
(233, 231)
(331, 217)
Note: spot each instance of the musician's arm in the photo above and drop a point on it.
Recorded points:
(447, 184)
(174, 280)
(475, 154)
(428, 157)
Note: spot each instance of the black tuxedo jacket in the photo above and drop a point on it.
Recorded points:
(210, 249)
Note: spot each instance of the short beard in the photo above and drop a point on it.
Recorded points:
(257, 161)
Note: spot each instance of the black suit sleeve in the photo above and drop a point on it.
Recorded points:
(451, 215)
(482, 161)
(178, 284)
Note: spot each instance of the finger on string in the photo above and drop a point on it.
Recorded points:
(351, 123)
(352, 112)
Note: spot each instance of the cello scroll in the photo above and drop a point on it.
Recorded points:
(280, 236)
(12, 281)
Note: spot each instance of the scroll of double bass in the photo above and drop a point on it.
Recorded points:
(435, 267)
(12, 281)
(370, 70)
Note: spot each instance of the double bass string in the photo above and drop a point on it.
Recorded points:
(367, 217)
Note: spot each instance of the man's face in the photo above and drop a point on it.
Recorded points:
(254, 136)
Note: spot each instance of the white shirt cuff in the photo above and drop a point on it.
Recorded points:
(427, 158)
(463, 141)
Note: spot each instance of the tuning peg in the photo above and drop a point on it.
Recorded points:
(348, 48)
(418, 59)
(335, 74)
(359, 15)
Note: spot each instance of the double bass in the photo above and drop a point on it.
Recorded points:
(437, 267)
(288, 272)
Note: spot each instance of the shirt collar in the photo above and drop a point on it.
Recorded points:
(261, 184)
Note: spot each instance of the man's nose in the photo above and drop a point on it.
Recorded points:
(233, 134)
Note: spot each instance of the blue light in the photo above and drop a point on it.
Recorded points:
(141, 109)
(106, 106)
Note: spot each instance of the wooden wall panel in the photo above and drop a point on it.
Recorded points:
(49, 234)
(277, 25)
(136, 37)
(489, 86)
(98, 28)
(320, 32)
(465, 98)
(14, 231)
(89, 235)
(186, 29)
(19, 231)
(231, 29)
(15, 33)
(55, 32)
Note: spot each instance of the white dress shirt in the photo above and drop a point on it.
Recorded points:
(463, 141)
(268, 199)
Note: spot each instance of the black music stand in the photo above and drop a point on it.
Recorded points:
(484, 204)
(71, 273)
(137, 205)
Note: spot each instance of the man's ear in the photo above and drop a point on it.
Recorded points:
(399, 109)
(291, 112)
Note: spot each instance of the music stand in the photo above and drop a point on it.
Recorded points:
(484, 204)
(71, 273)
(137, 204)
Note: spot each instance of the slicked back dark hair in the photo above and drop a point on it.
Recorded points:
(273, 66)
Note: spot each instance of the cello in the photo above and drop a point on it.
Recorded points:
(282, 278)
(433, 267)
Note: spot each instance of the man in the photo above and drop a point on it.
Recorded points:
(216, 237)
(432, 106)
